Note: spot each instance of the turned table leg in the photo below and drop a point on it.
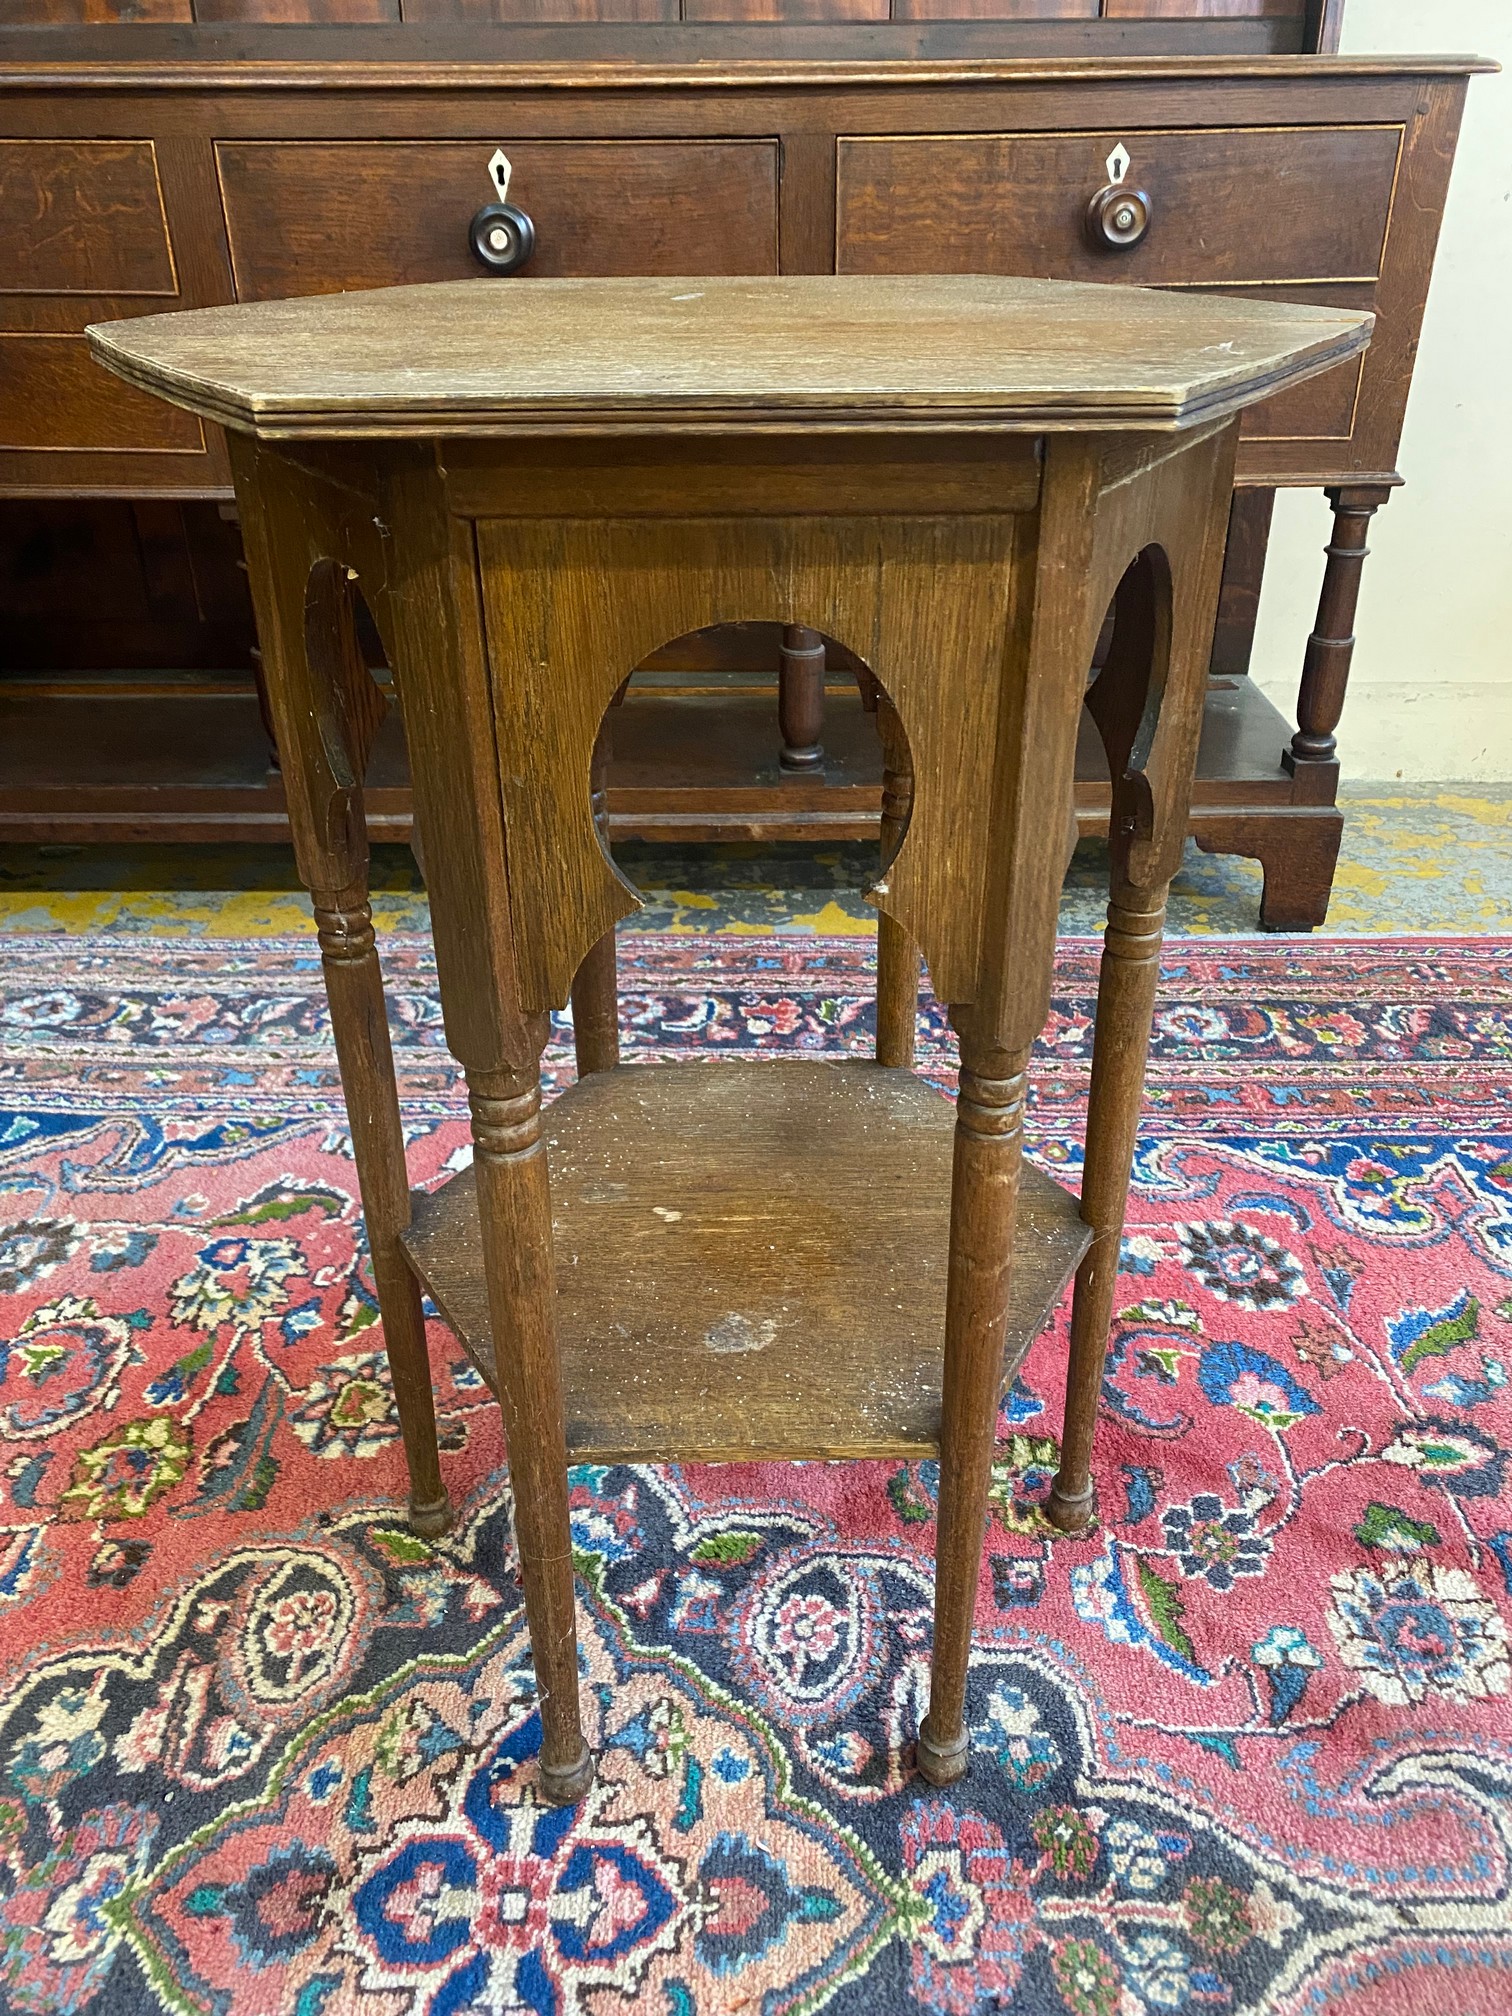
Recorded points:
(514, 1205)
(983, 1204)
(1147, 703)
(327, 710)
(595, 1010)
(359, 1023)
(1125, 1006)
(897, 955)
(437, 647)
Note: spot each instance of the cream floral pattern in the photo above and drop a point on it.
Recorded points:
(1414, 1631)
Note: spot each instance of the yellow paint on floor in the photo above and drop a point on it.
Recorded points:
(1426, 861)
(223, 913)
(1430, 859)
(833, 922)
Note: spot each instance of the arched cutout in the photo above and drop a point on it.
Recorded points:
(1124, 698)
(908, 596)
(730, 710)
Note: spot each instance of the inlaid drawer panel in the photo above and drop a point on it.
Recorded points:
(310, 217)
(1235, 205)
(82, 217)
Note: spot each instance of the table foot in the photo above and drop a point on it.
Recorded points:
(1071, 1512)
(565, 1784)
(942, 1764)
(432, 1520)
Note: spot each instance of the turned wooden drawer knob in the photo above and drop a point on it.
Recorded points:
(502, 237)
(1118, 218)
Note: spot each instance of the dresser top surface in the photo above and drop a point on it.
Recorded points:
(470, 54)
(793, 354)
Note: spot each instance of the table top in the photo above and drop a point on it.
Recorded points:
(789, 354)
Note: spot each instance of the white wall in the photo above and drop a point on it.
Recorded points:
(1430, 695)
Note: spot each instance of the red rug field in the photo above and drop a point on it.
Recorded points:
(1246, 1748)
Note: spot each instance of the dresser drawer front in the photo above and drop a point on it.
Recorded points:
(1240, 206)
(58, 398)
(321, 217)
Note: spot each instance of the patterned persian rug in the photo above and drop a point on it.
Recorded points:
(1247, 1747)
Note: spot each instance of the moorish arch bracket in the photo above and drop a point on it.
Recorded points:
(348, 703)
(1155, 560)
(328, 706)
(1125, 698)
(569, 603)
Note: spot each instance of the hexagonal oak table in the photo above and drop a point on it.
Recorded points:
(537, 485)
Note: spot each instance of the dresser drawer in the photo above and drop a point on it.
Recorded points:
(318, 217)
(58, 398)
(84, 235)
(1238, 206)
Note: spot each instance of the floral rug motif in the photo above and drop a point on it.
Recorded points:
(1247, 1747)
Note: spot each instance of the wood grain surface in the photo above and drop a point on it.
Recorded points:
(912, 596)
(83, 217)
(1230, 206)
(750, 1260)
(1166, 10)
(687, 57)
(789, 1220)
(819, 351)
(563, 11)
(322, 217)
(50, 387)
(1249, 154)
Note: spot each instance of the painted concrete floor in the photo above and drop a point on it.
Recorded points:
(1433, 858)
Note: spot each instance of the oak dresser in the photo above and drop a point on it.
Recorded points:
(160, 165)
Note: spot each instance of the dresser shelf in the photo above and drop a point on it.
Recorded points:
(86, 761)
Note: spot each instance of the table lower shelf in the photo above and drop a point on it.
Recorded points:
(750, 1261)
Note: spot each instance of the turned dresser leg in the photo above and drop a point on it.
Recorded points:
(897, 955)
(1299, 868)
(1330, 648)
(1125, 1006)
(800, 700)
(983, 1204)
(514, 1206)
(359, 1021)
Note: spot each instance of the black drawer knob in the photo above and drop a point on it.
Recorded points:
(1118, 218)
(502, 237)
